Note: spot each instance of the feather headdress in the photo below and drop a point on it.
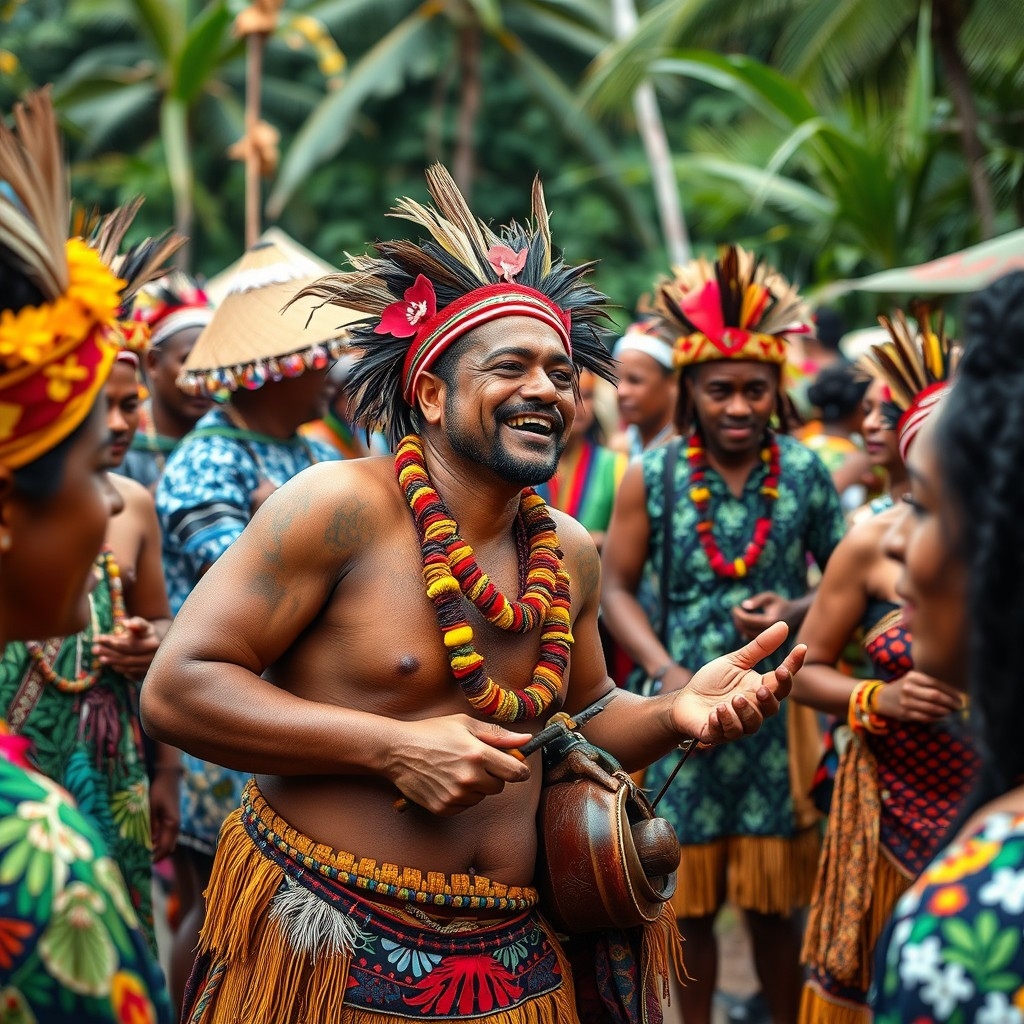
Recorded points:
(137, 266)
(915, 365)
(735, 308)
(420, 297)
(58, 302)
(170, 305)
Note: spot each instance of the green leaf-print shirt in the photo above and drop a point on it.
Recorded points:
(739, 788)
(954, 951)
(70, 944)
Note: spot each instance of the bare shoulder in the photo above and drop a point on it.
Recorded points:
(864, 538)
(582, 560)
(133, 494)
(332, 508)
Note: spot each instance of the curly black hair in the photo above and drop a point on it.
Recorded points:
(980, 445)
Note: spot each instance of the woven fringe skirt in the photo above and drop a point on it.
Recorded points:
(765, 874)
(294, 935)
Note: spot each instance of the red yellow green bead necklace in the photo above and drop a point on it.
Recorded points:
(700, 495)
(450, 572)
(85, 678)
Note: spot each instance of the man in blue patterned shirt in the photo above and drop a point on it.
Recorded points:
(745, 508)
(275, 367)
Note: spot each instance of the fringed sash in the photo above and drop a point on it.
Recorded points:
(837, 941)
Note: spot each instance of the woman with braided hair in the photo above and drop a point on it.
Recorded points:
(954, 950)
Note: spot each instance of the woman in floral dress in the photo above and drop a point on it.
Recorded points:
(955, 948)
(70, 944)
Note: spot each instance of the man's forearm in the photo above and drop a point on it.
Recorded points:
(227, 714)
(635, 730)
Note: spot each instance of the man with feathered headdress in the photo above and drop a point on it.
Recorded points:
(347, 665)
(725, 517)
(175, 310)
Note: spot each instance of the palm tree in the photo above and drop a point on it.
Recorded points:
(460, 28)
(861, 185)
(833, 48)
(173, 69)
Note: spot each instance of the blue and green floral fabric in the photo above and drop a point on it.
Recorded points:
(954, 952)
(71, 949)
(739, 788)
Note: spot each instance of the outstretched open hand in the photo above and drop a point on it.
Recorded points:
(727, 699)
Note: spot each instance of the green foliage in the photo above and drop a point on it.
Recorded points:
(820, 133)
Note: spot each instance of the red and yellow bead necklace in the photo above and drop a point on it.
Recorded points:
(700, 495)
(85, 678)
(450, 572)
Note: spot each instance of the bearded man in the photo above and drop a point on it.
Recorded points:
(337, 650)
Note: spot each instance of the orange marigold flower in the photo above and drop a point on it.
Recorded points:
(948, 900)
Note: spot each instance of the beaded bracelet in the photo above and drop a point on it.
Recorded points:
(862, 714)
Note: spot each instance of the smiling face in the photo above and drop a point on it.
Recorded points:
(733, 402)
(52, 542)
(933, 583)
(880, 440)
(509, 402)
(122, 393)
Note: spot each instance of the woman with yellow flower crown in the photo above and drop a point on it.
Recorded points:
(70, 944)
(76, 697)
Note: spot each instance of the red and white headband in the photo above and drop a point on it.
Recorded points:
(416, 316)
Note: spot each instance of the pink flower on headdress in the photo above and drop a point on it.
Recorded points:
(401, 319)
(507, 262)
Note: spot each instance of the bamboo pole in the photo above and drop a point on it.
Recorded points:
(254, 46)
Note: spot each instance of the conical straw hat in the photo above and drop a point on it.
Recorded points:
(253, 337)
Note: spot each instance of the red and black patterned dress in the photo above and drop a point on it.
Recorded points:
(925, 770)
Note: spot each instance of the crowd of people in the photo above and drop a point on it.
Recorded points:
(293, 585)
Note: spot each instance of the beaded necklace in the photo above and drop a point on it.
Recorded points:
(700, 495)
(450, 572)
(85, 678)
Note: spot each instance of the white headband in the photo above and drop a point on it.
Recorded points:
(635, 341)
(180, 320)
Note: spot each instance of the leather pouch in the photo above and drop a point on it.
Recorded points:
(605, 860)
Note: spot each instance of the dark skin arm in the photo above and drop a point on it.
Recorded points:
(205, 690)
(726, 699)
(858, 567)
(622, 562)
(130, 651)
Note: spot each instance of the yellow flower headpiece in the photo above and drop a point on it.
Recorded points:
(55, 354)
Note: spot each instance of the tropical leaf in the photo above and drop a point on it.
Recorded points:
(585, 132)
(201, 52)
(329, 126)
(175, 136)
(781, 193)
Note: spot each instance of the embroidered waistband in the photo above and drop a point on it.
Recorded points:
(409, 885)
